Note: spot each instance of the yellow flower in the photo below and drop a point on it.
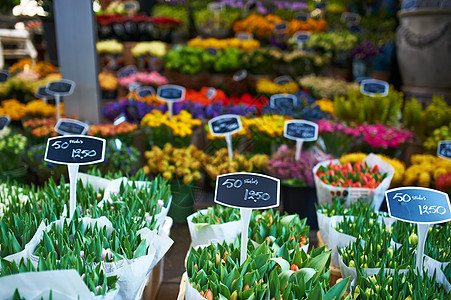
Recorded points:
(326, 105)
(269, 87)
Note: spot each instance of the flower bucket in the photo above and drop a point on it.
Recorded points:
(182, 200)
(18, 174)
(301, 201)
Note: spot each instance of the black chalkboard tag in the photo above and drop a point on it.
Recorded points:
(4, 121)
(71, 127)
(131, 6)
(244, 36)
(63, 87)
(280, 27)
(212, 51)
(211, 92)
(283, 101)
(126, 71)
(171, 93)
(444, 149)
(374, 87)
(4, 75)
(302, 16)
(247, 190)
(145, 91)
(282, 80)
(418, 205)
(75, 150)
(350, 18)
(120, 119)
(240, 75)
(215, 7)
(41, 93)
(301, 130)
(302, 37)
(409, 4)
(321, 5)
(225, 125)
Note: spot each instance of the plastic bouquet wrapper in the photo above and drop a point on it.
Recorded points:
(203, 233)
(325, 224)
(113, 187)
(64, 285)
(327, 192)
(338, 239)
(132, 273)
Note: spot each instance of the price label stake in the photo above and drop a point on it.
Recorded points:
(212, 51)
(300, 131)
(127, 71)
(225, 126)
(171, 93)
(247, 191)
(4, 75)
(71, 127)
(283, 101)
(444, 149)
(419, 205)
(240, 75)
(4, 121)
(302, 16)
(58, 89)
(145, 91)
(280, 27)
(211, 92)
(41, 93)
(374, 87)
(74, 150)
(244, 36)
(301, 38)
(282, 80)
(351, 19)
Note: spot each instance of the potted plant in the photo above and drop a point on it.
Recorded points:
(12, 147)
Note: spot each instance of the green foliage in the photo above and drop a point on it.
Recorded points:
(359, 108)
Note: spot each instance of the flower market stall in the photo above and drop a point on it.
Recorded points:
(243, 150)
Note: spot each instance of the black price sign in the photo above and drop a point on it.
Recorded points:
(247, 190)
(320, 5)
(244, 36)
(418, 205)
(4, 121)
(409, 4)
(61, 87)
(127, 71)
(444, 149)
(4, 75)
(281, 27)
(302, 37)
(131, 6)
(75, 149)
(301, 130)
(225, 124)
(350, 18)
(145, 91)
(283, 101)
(240, 75)
(41, 93)
(212, 51)
(71, 127)
(171, 92)
(302, 16)
(282, 79)
(373, 87)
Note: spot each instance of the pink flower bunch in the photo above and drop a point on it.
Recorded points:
(283, 165)
(152, 78)
(334, 127)
(381, 136)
